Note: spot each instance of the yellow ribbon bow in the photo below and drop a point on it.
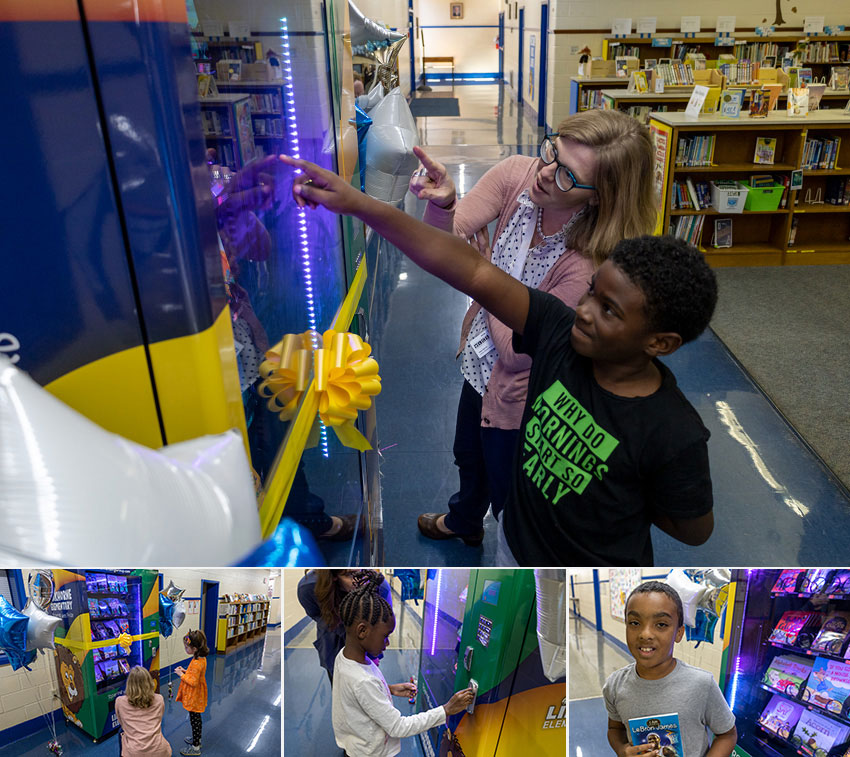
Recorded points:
(125, 640)
(345, 380)
(286, 373)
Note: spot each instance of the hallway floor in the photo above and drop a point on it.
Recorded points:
(242, 716)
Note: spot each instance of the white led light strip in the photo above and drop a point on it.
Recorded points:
(295, 151)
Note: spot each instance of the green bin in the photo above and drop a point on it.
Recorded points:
(763, 198)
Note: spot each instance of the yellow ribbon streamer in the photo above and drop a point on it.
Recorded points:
(124, 640)
(349, 378)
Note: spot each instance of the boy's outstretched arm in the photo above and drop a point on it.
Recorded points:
(444, 255)
(690, 531)
(723, 744)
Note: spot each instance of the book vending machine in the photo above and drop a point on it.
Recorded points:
(110, 624)
(786, 662)
(480, 629)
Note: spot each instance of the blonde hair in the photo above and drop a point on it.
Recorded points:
(624, 181)
(140, 688)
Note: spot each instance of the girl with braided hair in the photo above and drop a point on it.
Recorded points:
(365, 722)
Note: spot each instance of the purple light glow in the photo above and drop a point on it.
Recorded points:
(436, 612)
(738, 666)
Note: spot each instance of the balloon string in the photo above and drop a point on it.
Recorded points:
(51, 724)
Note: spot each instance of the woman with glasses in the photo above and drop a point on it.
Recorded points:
(558, 216)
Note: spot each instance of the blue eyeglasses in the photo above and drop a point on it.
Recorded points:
(564, 178)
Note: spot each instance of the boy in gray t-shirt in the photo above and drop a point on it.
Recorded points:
(658, 684)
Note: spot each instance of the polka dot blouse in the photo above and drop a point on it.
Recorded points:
(507, 249)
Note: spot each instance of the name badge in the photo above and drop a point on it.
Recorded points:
(482, 344)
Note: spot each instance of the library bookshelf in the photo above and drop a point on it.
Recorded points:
(822, 52)
(267, 115)
(227, 123)
(674, 100)
(808, 230)
(241, 621)
(586, 91)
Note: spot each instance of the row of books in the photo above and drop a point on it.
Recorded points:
(687, 228)
(808, 732)
(680, 50)
(268, 127)
(821, 153)
(642, 112)
(758, 51)
(691, 195)
(266, 103)
(695, 151)
(214, 123)
(742, 71)
(675, 73)
(837, 190)
(591, 99)
(826, 52)
(225, 155)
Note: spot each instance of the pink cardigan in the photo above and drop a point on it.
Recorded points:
(142, 728)
(495, 196)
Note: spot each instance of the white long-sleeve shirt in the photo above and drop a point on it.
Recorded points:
(365, 721)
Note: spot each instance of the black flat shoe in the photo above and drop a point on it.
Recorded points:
(427, 523)
(345, 532)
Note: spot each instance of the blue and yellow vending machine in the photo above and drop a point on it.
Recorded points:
(480, 629)
(110, 624)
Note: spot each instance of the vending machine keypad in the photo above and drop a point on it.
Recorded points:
(485, 626)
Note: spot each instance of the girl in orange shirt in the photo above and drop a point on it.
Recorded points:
(193, 687)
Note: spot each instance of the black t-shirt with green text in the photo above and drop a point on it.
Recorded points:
(593, 467)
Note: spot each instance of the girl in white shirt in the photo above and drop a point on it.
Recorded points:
(365, 722)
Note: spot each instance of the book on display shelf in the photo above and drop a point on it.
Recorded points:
(722, 233)
(765, 150)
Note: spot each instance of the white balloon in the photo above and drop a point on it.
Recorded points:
(389, 148)
(73, 493)
(551, 589)
(179, 614)
(690, 592)
(40, 628)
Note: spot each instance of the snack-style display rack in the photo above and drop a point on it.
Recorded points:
(110, 623)
(786, 666)
(241, 618)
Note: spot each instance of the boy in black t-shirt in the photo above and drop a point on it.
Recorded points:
(609, 445)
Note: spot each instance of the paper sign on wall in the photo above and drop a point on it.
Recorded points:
(690, 24)
(647, 25)
(813, 25)
(726, 24)
(239, 29)
(213, 28)
(620, 27)
(695, 103)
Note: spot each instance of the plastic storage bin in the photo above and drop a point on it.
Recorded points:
(763, 198)
(728, 200)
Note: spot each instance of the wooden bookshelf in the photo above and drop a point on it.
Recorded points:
(227, 124)
(585, 91)
(241, 621)
(675, 100)
(747, 46)
(268, 118)
(796, 234)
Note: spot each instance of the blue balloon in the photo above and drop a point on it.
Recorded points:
(289, 546)
(13, 635)
(166, 616)
(363, 124)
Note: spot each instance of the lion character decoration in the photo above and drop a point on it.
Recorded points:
(71, 685)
